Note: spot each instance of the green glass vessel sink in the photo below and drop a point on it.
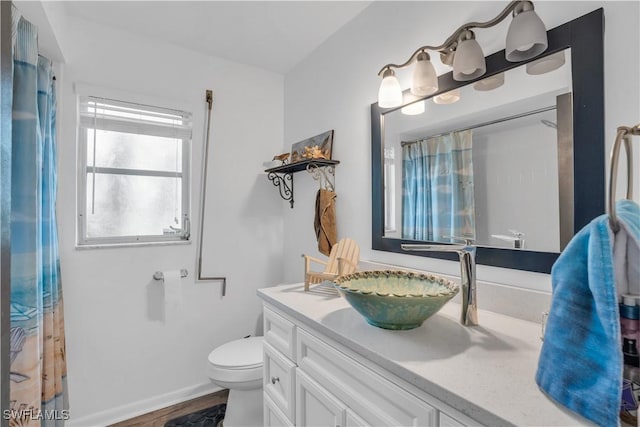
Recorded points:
(395, 299)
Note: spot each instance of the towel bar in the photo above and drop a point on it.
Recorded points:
(158, 275)
(624, 135)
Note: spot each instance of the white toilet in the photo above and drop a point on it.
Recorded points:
(237, 365)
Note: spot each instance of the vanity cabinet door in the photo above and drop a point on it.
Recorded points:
(315, 406)
(273, 416)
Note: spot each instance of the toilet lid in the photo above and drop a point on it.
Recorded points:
(245, 353)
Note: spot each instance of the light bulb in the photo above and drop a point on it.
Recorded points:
(489, 83)
(390, 93)
(425, 80)
(546, 64)
(447, 97)
(413, 109)
(468, 61)
(527, 36)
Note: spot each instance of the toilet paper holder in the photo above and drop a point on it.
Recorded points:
(158, 275)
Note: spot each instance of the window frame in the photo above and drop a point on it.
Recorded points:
(84, 169)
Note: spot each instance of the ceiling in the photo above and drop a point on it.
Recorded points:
(275, 35)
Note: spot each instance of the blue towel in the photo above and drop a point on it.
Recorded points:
(580, 363)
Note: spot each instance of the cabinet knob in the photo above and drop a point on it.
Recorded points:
(274, 380)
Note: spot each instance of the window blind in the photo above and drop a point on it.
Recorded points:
(119, 116)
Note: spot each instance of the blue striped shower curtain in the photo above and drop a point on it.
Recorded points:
(38, 364)
(437, 188)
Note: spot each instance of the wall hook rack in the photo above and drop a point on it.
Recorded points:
(324, 174)
(282, 176)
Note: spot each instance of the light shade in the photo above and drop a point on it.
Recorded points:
(390, 93)
(425, 80)
(447, 97)
(527, 36)
(546, 64)
(413, 109)
(468, 61)
(489, 83)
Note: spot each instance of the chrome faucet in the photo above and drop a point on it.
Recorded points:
(467, 254)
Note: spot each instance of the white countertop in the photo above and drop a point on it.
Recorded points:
(487, 372)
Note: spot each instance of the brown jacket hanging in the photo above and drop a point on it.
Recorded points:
(325, 221)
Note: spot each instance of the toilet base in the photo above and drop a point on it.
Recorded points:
(244, 408)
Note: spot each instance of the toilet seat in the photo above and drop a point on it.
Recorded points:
(237, 362)
(244, 353)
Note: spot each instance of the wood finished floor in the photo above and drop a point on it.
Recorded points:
(161, 416)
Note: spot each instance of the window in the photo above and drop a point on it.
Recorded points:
(133, 173)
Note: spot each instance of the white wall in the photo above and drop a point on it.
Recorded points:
(122, 358)
(334, 87)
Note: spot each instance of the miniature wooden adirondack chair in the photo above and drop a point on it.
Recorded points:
(343, 259)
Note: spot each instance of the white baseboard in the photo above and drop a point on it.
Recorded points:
(141, 407)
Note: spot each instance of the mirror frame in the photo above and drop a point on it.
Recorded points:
(585, 37)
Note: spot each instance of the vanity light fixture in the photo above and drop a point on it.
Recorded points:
(546, 64)
(526, 38)
(413, 109)
(468, 61)
(527, 35)
(390, 93)
(447, 97)
(489, 83)
(425, 80)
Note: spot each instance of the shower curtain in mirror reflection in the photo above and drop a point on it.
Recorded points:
(437, 188)
(37, 353)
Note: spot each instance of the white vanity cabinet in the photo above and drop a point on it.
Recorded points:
(309, 380)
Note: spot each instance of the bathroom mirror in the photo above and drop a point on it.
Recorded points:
(515, 134)
(533, 173)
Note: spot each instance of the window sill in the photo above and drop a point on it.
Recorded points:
(130, 245)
